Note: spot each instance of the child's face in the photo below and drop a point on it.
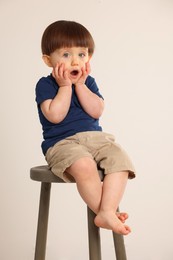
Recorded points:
(73, 58)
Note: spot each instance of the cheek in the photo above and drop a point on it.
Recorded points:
(83, 63)
(86, 60)
(66, 63)
(59, 62)
(54, 62)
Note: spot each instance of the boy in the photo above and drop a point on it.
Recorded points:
(69, 106)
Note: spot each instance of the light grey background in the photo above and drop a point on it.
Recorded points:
(133, 66)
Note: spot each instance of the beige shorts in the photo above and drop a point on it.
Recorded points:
(99, 146)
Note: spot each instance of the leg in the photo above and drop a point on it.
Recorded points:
(85, 173)
(102, 200)
(113, 188)
(40, 249)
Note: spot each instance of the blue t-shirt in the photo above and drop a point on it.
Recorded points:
(76, 120)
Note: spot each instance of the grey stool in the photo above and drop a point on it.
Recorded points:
(46, 177)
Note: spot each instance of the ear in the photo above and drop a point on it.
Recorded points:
(47, 60)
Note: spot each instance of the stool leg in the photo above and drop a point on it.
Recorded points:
(40, 249)
(94, 237)
(120, 251)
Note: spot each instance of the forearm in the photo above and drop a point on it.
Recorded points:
(91, 103)
(55, 110)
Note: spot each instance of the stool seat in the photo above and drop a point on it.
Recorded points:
(44, 175)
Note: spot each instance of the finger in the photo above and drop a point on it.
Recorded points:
(61, 70)
(55, 70)
(65, 74)
(88, 67)
(80, 73)
(84, 72)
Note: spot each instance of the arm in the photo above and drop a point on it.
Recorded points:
(90, 102)
(55, 110)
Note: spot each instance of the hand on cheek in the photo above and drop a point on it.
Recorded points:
(61, 75)
(84, 74)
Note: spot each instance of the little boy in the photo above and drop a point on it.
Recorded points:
(70, 105)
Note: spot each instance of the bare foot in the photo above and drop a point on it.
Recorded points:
(110, 220)
(122, 216)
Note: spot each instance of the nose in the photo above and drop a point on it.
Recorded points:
(75, 61)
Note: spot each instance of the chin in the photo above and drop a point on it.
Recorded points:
(74, 81)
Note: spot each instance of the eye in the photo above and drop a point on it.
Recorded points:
(82, 54)
(66, 54)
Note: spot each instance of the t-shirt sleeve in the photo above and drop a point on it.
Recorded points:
(44, 90)
(92, 85)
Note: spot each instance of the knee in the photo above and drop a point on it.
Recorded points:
(87, 165)
(83, 168)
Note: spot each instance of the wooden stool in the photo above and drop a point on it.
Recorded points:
(46, 177)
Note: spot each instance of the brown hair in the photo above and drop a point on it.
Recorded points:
(62, 34)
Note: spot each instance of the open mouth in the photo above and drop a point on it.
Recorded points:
(74, 72)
